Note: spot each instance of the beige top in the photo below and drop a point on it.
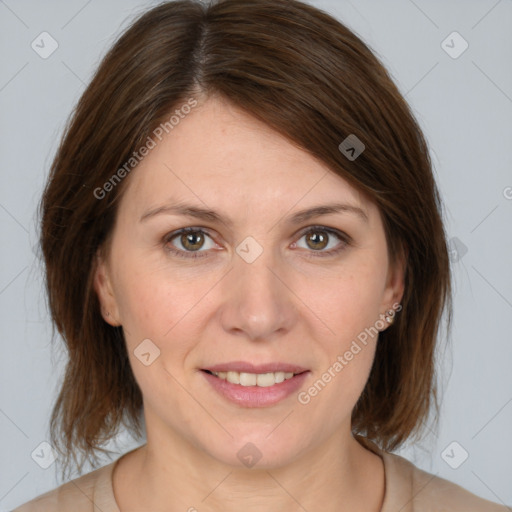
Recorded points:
(408, 489)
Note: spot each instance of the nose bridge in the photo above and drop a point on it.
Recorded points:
(257, 302)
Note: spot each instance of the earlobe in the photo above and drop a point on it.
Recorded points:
(104, 291)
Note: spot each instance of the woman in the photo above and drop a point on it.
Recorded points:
(243, 243)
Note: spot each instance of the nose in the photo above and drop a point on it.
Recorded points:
(258, 301)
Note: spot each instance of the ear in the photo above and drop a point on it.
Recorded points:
(395, 283)
(104, 290)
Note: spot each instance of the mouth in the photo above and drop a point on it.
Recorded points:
(247, 385)
(246, 379)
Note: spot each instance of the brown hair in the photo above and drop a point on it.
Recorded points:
(313, 80)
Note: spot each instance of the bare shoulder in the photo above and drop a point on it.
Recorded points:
(83, 494)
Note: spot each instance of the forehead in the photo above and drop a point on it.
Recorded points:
(218, 154)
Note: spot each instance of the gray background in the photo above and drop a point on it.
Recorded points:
(464, 105)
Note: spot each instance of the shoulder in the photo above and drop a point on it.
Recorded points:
(88, 493)
(415, 490)
(410, 489)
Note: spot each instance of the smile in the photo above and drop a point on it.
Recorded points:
(255, 389)
(262, 380)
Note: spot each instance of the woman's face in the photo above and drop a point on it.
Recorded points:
(271, 279)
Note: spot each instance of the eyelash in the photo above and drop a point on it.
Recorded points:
(343, 237)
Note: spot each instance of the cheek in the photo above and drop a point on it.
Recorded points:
(168, 308)
(155, 307)
(350, 303)
(152, 300)
(350, 308)
(346, 359)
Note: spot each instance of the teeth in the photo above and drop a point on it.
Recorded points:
(233, 377)
(248, 379)
(254, 379)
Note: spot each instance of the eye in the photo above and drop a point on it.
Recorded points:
(319, 238)
(195, 242)
(187, 241)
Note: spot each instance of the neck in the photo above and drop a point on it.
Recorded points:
(170, 473)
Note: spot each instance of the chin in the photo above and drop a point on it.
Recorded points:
(257, 450)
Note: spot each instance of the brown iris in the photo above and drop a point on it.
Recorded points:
(317, 239)
(192, 241)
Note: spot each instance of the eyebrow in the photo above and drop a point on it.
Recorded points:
(205, 214)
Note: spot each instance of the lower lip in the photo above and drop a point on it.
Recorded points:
(256, 396)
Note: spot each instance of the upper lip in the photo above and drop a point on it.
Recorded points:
(246, 367)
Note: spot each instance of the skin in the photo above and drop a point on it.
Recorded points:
(289, 305)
